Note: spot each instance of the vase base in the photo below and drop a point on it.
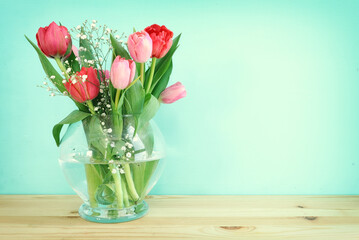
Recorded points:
(113, 215)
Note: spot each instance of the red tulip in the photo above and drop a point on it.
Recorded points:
(54, 40)
(161, 40)
(84, 85)
(173, 93)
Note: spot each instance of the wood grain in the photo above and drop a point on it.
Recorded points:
(187, 217)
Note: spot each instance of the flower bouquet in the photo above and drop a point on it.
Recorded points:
(111, 150)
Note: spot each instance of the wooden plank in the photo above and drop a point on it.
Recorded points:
(187, 217)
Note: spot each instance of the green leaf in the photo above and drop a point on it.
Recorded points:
(145, 133)
(88, 54)
(170, 52)
(163, 64)
(134, 99)
(51, 71)
(163, 82)
(118, 49)
(150, 108)
(73, 63)
(48, 68)
(73, 117)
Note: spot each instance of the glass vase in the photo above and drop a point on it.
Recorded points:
(112, 162)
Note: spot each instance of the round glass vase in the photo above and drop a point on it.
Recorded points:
(112, 163)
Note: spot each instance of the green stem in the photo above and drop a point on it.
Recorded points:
(125, 194)
(117, 97)
(93, 181)
(130, 183)
(151, 74)
(143, 74)
(118, 185)
(62, 67)
(90, 105)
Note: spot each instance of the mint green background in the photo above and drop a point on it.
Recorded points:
(272, 105)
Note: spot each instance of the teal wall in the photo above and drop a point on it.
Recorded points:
(272, 104)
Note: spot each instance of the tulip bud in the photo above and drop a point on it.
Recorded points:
(122, 72)
(54, 40)
(104, 76)
(161, 40)
(84, 85)
(140, 46)
(173, 93)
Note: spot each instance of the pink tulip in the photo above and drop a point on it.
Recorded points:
(122, 72)
(161, 40)
(173, 93)
(140, 46)
(54, 40)
(104, 75)
(84, 85)
(73, 50)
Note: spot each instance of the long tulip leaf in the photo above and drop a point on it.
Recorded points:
(73, 117)
(118, 49)
(51, 71)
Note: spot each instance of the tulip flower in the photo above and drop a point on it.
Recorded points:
(73, 50)
(54, 41)
(122, 72)
(105, 75)
(173, 93)
(161, 40)
(84, 85)
(140, 46)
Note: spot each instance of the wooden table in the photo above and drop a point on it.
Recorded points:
(187, 217)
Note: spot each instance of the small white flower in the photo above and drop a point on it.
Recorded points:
(52, 94)
(84, 77)
(78, 35)
(78, 27)
(52, 77)
(112, 144)
(45, 83)
(85, 60)
(122, 171)
(123, 148)
(94, 21)
(48, 89)
(74, 81)
(89, 153)
(83, 37)
(130, 145)
(96, 109)
(114, 171)
(64, 93)
(128, 155)
(68, 70)
(121, 41)
(66, 37)
(102, 38)
(100, 59)
(109, 130)
(67, 62)
(103, 114)
(111, 161)
(64, 81)
(102, 123)
(117, 36)
(93, 25)
(108, 105)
